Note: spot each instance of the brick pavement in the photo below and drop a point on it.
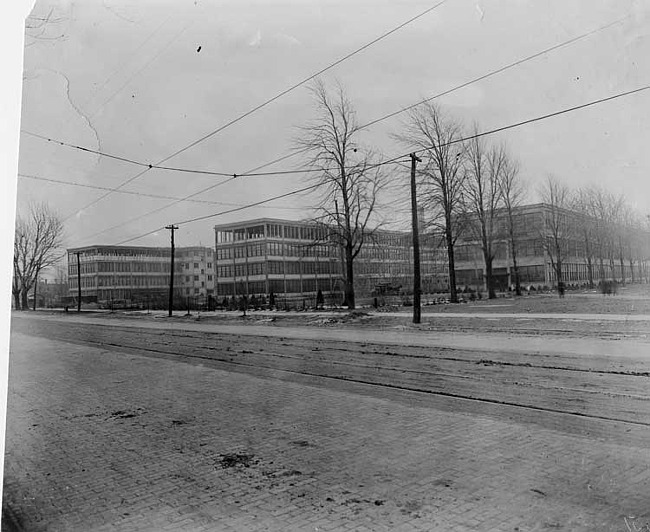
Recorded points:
(102, 441)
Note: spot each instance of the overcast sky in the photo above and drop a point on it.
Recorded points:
(142, 79)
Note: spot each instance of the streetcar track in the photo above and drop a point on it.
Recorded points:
(410, 388)
(388, 370)
(488, 361)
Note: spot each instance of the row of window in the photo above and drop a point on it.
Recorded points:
(274, 249)
(278, 268)
(290, 286)
(258, 232)
(119, 267)
(196, 266)
(189, 278)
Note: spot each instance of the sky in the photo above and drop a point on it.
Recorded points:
(143, 79)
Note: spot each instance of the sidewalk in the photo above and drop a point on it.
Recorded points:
(102, 441)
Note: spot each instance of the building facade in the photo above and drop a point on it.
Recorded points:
(295, 260)
(197, 267)
(288, 259)
(588, 251)
(114, 276)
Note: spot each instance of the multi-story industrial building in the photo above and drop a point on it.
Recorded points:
(134, 275)
(280, 257)
(292, 259)
(295, 260)
(589, 252)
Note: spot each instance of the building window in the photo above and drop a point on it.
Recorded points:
(196, 290)
(187, 278)
(209, 265)
(196, 277)
(202, 284)
(209, 277)
(196, 265)
(202, 271)
(187, 265)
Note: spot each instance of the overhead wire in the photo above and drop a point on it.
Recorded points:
(133, 192)
(115, 93)
(125, 159)
(265, 103)
(258, 203)
(159, 209)
(141, 69)
(254, 172)
(421, 150)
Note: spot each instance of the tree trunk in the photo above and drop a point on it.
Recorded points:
(622, 261)
(24, 305)
(558, 274)
(632, 276)
(453, 294)
(349, 277)
(515, 266)
(489, 279)
(16, 300)
(590, 268)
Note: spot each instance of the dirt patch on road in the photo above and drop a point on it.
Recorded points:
(236, 459)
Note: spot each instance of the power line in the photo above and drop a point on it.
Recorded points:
(179, 200)
(125, 159)
(421, 150)
(97, 91)
(536, 119)
(307, 79)
(499, 70)
(446, 92)
(265, 103)
(255, 173)
(139, 71)
(261, 202)
(162, 208)
(134, 193)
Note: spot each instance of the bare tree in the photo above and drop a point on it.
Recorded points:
(597, 207)
(557, 228)
(483, 198)
(637, 244)
(587, 227)
(36, 241)
(348, 179)
(513, 194)
(439, 141)
(622, 216)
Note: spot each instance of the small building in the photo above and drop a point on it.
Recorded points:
(198, 279)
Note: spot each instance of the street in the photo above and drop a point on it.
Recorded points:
(161, 425)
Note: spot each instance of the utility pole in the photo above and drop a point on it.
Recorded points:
(417, 311)
(78, 282)
(172, 228)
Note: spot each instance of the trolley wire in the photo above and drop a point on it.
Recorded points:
(421, 150)
(264, 104)
(255, 173)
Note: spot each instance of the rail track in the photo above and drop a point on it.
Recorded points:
(596, 388)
